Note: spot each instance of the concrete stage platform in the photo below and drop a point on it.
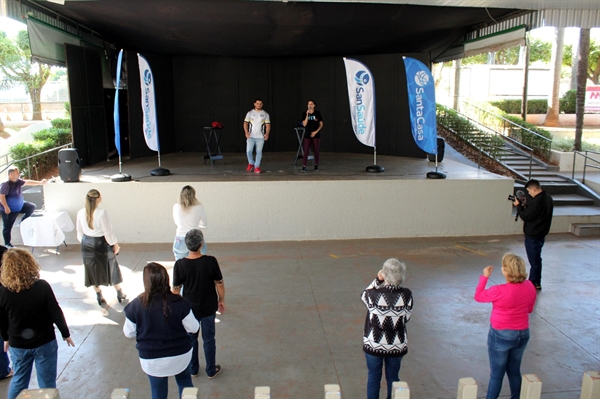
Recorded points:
(341, 201)
(294, 317)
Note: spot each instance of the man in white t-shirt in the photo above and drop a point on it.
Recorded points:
(257, 126)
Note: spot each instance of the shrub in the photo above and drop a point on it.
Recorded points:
(514, 106)
(567, 102)
(61, 123)
(566, 144)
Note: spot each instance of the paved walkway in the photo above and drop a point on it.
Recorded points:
(294, 317)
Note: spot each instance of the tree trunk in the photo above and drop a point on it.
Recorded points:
(555, 65)
(35, 96)
(582, 66)
(457, 66)
(525, 81)
(574, 55)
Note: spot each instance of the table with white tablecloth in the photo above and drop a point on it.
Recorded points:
(46, 229)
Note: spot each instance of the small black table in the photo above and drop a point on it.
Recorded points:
(213, 152)
(300, 135)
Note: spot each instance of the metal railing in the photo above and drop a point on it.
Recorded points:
(521, 135)
(586, 157)
(29, 159)
(469, 128)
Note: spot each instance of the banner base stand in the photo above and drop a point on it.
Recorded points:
(160, 172)
(120, 177)
(375, 169)
(436, 175)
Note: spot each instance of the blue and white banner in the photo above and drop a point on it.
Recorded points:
(361, 95)
(421, 102)
(116, 109)
(148, 104)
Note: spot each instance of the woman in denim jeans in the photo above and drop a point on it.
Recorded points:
(509, 323)
(188, 214)
(28, 312)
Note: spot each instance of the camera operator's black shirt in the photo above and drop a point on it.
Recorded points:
(537, 215)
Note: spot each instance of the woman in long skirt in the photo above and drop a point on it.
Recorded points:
(99, 247)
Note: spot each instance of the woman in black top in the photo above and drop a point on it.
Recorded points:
(313, 122)
(28, 313)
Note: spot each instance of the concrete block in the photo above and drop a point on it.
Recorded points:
(333, 391)
(531, 387)
(262, 393)
(467, 388)
(590, 388)
(189, 393)
(400, 390)
(120, 393)
(585, 229)
(46, 393)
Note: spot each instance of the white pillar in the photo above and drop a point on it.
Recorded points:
(467, 388)
(46, 393)
(189, 393)
(400, 390)
(262, 393)
(590, 387)
(531, 387)
(120, 393)
(333, 391)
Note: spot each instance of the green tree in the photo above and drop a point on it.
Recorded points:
(539, 50)
(17, 68)
(593, 60)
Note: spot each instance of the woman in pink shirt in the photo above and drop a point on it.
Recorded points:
(509, 323)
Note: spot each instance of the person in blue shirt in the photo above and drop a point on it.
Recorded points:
(12, 202)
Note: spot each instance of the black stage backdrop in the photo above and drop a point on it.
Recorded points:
(193, 91)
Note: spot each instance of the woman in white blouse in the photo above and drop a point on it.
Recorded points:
(99, 247)
(188, 214)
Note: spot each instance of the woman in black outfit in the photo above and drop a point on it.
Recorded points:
(313, 122)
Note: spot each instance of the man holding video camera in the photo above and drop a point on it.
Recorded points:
(536, 213)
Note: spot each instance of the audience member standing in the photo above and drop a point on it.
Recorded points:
(389, 306)
(28, 313)
(313, 122)
(161, 322)
(257, 126)
(5, 370)
(202, 282)
(99, 247)
(509, 323)
(536, 213)
(12, 202)
(188, 213)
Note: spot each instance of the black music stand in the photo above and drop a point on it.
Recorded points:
(212, 152)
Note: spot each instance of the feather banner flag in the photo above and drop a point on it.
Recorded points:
(148, 104)
(116, 109)
(421, 102)
(361, 95)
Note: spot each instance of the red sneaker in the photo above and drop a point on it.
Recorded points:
(249, 167)
(257, 170)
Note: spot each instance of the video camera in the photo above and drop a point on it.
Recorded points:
(519, 196)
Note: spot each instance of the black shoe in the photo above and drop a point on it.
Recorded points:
(316, 168)
(304, 169)
(100, 298)
(9, 245)
(121, 296)
(217, 371)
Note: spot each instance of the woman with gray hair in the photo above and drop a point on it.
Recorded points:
(389, 308)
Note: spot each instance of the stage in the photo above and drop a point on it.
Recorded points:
(341, 201)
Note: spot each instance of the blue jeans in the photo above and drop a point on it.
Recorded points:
(9, 220)
(4, 362)
(533, 247)
(45, 357)
(506, 348)
(180, 249)
(207, 325)
(250, 143)
(374, 367)
(160, 385)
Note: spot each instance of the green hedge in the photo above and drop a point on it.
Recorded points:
(59, 134)
(567, 105)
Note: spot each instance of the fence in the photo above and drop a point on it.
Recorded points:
(531, 388)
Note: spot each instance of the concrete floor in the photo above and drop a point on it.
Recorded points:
(294, 317)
